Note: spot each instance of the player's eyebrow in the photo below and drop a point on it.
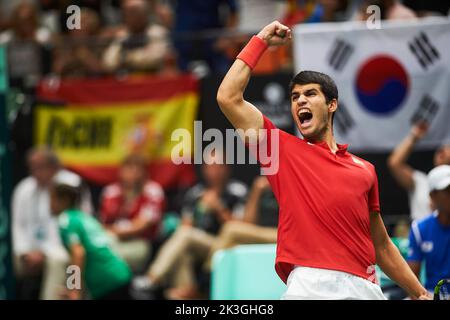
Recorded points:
(306, 92)
(309, 91)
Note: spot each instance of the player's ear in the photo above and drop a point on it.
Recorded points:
(333, 105)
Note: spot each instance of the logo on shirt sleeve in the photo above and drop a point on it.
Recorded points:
(357, 161)
(427, 246)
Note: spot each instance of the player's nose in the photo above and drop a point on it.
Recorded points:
(302, 100)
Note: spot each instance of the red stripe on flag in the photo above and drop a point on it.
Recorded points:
(167, 174)
(112, 90)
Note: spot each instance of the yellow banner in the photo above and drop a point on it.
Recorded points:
(104, 135)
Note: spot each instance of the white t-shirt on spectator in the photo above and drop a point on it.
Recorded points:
(419, 197)
(33, 226)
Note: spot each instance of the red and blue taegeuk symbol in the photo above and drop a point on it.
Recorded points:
(382, 84)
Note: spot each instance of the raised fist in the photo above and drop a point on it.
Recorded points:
(275, 34)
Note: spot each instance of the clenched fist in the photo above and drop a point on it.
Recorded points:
(275, 34)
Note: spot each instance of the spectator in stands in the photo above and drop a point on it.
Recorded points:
(26, 46)
(389, 9)
(430, 237)
(259, 224)
(206, 208)
(36, 244)
(415, 181)
(105, 275)
(78, 53)
(162, 13)
(139, 46)
(196, 16)
(131, 210)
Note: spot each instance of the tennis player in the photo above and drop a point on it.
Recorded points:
(330, 232)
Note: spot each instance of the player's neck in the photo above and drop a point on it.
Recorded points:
(331, 142)
(328, 138)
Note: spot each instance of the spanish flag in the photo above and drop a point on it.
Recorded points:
(93, 124)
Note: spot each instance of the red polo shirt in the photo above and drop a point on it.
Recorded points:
(324, 203)
(148, 205)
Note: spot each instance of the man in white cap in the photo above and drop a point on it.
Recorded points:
(38, 251)
(430, 237)
(412, 180)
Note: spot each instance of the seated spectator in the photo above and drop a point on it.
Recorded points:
(78, 54)
(430, 237)
(25, 46)
(390, 10)
(105, 275)
(207, 207)
(413, 180)
(37, 248)
(131, 210)
(259, 224)
(139, 46)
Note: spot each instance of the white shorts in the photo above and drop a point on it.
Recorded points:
(306, 283)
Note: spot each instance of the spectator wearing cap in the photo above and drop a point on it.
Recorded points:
(37, 248)
(103, 275)
(411, 179)
(429, 238)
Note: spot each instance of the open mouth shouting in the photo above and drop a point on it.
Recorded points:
(305, 116)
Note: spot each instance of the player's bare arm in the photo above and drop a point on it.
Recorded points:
(390, 260)
(230, 96)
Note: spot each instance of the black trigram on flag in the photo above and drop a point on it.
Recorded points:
(339, 54)
(343, 119)
(426, 111)
(425, 53)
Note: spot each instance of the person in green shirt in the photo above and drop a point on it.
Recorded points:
(105, 275)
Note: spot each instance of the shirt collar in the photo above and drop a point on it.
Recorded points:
(342, 148)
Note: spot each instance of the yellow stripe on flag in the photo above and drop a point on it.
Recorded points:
(104, 135)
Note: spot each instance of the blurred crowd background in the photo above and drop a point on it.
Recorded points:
(169, 234)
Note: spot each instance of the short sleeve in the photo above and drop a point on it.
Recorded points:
(414, 252)
(267, 152)
(68, 231)
(374, 196)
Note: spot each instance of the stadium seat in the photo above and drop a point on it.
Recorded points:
(246, 272)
